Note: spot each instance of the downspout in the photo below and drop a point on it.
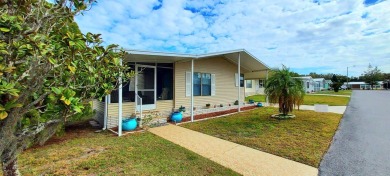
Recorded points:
(105, 112)
(192, 90)
(239, 82)
(120, 103)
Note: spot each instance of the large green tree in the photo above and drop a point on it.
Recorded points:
(49, 71)
(372, 75)
(336, 84)
(284, 89)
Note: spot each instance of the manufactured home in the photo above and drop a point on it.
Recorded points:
(319, 84)
(308, 83)
(166, 81)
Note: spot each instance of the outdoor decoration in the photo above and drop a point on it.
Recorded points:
(129, 124)
(176, 117)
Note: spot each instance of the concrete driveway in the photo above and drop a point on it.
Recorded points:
(361, 145)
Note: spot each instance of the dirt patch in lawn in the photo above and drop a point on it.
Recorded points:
(76, 130)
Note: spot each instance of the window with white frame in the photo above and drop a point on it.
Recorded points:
(204, 84)
(261, 83)
(248, 83)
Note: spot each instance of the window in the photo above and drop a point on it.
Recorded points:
(164, 83)
(261, 83)
(248, 83)
(202, 84)
(241, 80)
(307, 84)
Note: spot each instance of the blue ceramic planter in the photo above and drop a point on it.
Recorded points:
(176, 117)
(129, 124)
(259, 105)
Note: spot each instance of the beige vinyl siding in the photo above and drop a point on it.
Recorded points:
(164, 105)
(225, 88)
(98, 106)
(128, 108)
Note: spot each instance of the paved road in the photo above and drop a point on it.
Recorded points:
(361, 145)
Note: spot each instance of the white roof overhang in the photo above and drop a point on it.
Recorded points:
(248, 61)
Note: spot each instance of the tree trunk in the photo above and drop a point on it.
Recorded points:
(9, 161)
(11, 168)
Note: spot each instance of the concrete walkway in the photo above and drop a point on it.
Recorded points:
(242, 159)
(334, 109)
(331, 95)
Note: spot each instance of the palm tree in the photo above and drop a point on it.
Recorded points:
(283, 88)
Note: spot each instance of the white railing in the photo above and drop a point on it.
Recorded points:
(138, 108)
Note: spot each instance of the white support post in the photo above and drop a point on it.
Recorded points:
(266, 78)
(120, 104)
(239, 82)
(192, 90)
(105, 113)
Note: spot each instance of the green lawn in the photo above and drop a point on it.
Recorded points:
(340, 92)
(105, 154)
(311, 99)
(304, 139)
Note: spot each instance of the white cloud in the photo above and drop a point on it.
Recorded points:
(325, 36)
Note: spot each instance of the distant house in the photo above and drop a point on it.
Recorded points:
(308, 83)
(319, 84)
(362, 85)
(328, 84)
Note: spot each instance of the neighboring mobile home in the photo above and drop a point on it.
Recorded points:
(362, 85)
(166, 81)
(308, 83)
(328, 84)
(319, 84)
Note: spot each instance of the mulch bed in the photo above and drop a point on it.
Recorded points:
(214, 114)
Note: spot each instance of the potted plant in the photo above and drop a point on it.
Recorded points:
(182, 109)
(236, 102)
(208, 105)
(251, 101)
(221, 105)
(177, 116)
(130, 123)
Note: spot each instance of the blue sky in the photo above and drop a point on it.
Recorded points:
(323, 36)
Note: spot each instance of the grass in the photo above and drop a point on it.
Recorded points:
(304, 139)
(105, 154)
(329, 100)
(340, 92)
(311, 99)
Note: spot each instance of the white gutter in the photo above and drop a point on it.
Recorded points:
(192, 90)
(239, 82)
(105, 112)
(120, 104)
